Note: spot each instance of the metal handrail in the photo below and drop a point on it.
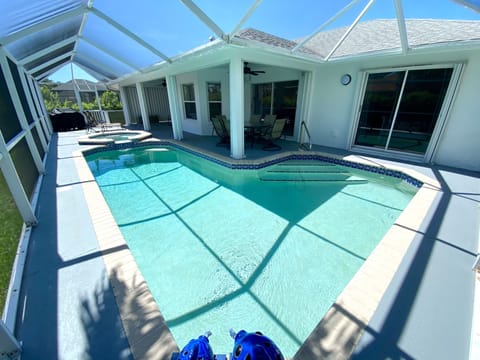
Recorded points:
(307, 146)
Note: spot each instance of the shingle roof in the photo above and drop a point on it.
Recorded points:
(375, 35)
(379, 35)
(271, 40)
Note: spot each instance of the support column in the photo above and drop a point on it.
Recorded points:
(126, 109)
(237, 109)
(104, 115)
(77, 97)
(76, 90)
(143, 106)
(42, 124)
(99, 103)
(8, 343)
(175, 112)
(46, 118)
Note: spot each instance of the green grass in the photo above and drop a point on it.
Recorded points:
(10, 229)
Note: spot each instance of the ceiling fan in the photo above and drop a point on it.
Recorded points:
(247, 70)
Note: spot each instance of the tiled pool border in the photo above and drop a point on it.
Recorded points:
(249, 165)
(338, 332)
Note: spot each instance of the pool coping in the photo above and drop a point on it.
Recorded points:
(92, 140)
(337, 333)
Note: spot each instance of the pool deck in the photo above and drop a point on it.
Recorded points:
(76, 304)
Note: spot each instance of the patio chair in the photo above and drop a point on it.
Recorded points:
(221, 130)
(255, 118)
(226, 123)
(269, 119)
(274, 133)
(91, 122)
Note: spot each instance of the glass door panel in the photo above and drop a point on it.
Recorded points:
(378, 109)
(419, 109)
(285, 103)
(262, 99)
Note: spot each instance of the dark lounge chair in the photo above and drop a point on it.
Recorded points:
(274, 133)
(221, 130)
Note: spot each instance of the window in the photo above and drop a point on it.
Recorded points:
(401, 108)
(214, 99)
(189, 101)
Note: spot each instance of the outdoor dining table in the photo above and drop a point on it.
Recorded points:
(253, 130)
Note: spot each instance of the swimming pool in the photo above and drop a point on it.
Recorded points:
(268, 250)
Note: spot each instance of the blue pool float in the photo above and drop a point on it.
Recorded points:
(254, 346)
(197, 349)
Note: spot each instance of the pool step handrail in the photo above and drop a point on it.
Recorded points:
(306, 146)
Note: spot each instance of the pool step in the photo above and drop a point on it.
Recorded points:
(163, 155)
(305, 166)
(314, 171)
(317, 177)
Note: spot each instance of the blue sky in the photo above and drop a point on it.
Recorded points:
(173, 29)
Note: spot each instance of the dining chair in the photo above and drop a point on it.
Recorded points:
(274, 133)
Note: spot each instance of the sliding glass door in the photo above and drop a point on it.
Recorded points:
(400, 109)
(279, 98)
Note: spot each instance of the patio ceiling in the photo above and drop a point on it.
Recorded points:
(110, 40)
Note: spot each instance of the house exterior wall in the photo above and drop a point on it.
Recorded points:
(214, 75)
(459, 144)
(334, 107)
(193, 126)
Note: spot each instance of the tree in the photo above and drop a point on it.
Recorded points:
(110, 101)
(50, 97)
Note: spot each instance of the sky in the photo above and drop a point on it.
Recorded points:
(64, 74)
(172, 28)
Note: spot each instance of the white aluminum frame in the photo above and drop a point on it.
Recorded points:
(442, 119)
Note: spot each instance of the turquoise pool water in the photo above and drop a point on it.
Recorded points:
(126, 135)
(266, 250)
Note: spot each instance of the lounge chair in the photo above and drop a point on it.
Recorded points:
(255, 118)
(270, 118)
(226, 123)
(98, 124)
(91, 122)
(274, 133)
(221, 130)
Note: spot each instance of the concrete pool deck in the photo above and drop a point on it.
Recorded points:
(70, 310)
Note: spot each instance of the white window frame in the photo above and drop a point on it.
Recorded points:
(194, 101)
(214, 101)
